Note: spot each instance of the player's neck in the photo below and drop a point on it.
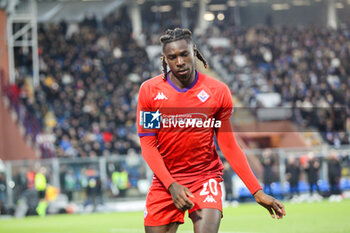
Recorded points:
(183, 83)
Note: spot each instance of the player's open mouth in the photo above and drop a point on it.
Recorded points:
(182, 72)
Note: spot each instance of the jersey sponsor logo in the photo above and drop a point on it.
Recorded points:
(151, 120)
(160, 96)
(210, 199)
(203, 96)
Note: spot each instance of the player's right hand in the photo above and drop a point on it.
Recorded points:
(274, 207)
(180, 196)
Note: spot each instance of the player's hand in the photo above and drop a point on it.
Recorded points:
(180, 196)
(274, 207)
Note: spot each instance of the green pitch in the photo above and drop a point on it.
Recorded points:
(306, 217)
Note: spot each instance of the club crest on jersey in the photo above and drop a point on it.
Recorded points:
(150, 120)
(203, 96)
(160, 96)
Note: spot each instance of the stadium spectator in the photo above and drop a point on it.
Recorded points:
(93, 188)
(40, 186)
(30, 179)
(334, 174)
(2, 193)
(311, 167)
(83, 182)
(267, 162)
(293, 169)
(120, 181)
(227, 176)
(69, 184)
(20, 184)
(186, 165)
(132, 166)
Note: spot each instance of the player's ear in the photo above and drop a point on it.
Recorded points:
(194, 48)
(163, 59)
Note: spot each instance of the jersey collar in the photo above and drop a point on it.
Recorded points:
(186, 88)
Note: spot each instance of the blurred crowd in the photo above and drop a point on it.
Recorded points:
(86, 185)
(89, 79)
(309, 67)
(90, 74)
(299, 177)
(311, 174)
(318, 186)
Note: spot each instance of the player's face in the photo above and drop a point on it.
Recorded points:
(179, 55)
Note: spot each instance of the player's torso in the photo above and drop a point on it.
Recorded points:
(186, 149)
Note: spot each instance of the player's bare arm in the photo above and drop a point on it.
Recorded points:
(274, 207)
(180, 195)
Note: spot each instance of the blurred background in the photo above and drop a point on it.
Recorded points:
(70, 71)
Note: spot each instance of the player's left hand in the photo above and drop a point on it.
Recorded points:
(274, 207)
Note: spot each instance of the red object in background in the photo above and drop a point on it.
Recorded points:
(91, 172)
(31, 180)
(303, 160)
(40, 51)
(14, 92)
(107, 136)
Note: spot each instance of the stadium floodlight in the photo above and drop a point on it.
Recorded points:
(221, 16)
(339, 5)
(258, 1)
(163, 8)
(231, 3)
(301, 3)
(217, 7)
(243, 3)
(280, 6)
(187, 4)
(209, 16)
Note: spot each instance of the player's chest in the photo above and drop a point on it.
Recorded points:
(197, 98)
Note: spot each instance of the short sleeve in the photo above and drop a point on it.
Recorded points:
(225, 105)
(143, 108)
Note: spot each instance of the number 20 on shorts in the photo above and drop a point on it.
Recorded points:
(210, 187)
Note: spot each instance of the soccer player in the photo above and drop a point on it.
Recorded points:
(187, 169)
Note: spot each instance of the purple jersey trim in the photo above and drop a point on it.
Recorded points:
(185, 89)
(147, 134)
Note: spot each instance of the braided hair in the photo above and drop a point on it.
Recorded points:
(175, 35)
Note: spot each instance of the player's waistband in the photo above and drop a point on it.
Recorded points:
(190, 182)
